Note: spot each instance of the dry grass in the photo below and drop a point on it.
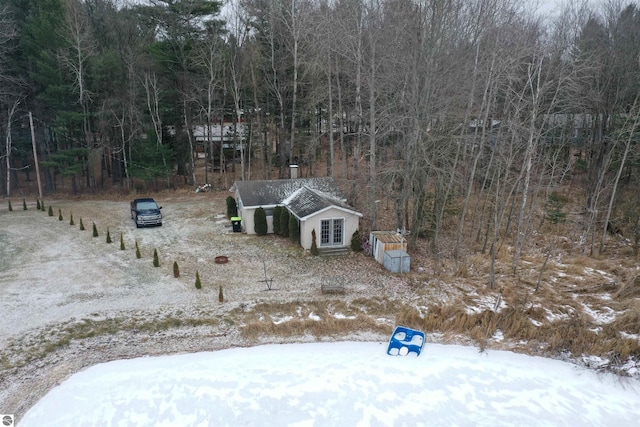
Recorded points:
(314, 318)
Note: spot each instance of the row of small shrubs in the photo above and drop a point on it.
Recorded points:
(95, 233)
(284, 224)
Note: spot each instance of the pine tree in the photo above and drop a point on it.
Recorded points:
(81, 224)
(121, 242)
(38, 204)
(156, 261)
(24, 205)
(50, 211)
(71, 220)
(60, 214)
(198, 283)
(138, 251)
(220, 295)
(176, 270)
(109, 237)
(10, 207)
(42, 206)
(95, 230)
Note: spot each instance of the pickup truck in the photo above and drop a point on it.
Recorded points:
(146, 212)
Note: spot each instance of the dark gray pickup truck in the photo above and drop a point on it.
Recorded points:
(146, 212)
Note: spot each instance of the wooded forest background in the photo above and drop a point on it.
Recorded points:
(476, 115)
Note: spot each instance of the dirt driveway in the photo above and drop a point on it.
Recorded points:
(57, 278)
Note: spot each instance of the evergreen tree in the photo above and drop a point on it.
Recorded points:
(24, 205)
(81, 224)
(284, 222)
(10, 208)
(198, 283)
(42, 206)
(109, 236)
(176, 270)
(294, 231)
(95, 230)
(220, 295)
(314, 245)
(60, 214)
(138, 255)
(260, 222)
(232, 207)
(37, 204)
(156, 261)
(121, 242)
(71, 220)
(356, 242)
(277, 211)
(50, 211)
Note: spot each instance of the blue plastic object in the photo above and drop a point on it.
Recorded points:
(405, 341)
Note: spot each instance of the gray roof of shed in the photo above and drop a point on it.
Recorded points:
(307, 201)
(274, 192)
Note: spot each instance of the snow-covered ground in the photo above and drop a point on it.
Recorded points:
(338, 384)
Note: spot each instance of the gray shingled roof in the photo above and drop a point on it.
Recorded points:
(307, 201)
(274, 192)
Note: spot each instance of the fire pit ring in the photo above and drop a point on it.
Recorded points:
(221, 259)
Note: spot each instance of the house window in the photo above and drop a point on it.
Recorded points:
(331, 232)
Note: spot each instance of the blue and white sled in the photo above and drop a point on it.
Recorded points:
(405, 341)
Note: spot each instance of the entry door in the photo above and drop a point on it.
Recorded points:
(331, 232)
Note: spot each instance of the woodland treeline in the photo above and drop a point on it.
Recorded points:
(473, 114)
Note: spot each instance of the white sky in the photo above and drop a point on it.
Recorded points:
(339, 384)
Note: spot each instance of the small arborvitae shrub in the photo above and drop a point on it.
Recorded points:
(24, 205)
(37, 204)
(71, 220)
(42, 206)
(314, 245)
(156, 261)
(10, 207)
(284, 223)
(294, 231)
(198, 283)
(121, 242)
(260, 222)
(109, 237)
(232, 207)
(60, 215)
(95, 230)
(138, 251)
(81, 224)
(356, 242)
(276, 220)
(220, 295)
(50, 211)
(176, 269)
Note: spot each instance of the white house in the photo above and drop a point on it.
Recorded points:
(316, 203)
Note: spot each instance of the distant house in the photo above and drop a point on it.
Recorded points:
(316, 203)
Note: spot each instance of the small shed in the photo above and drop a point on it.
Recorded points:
(382, 241)
(397, 261)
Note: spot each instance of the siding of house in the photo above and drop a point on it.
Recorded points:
(351, 224)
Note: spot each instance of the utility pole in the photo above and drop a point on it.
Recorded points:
(35, 154)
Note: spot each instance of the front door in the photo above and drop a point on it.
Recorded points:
(331, 232)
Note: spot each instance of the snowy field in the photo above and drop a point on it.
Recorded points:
(339, 384)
